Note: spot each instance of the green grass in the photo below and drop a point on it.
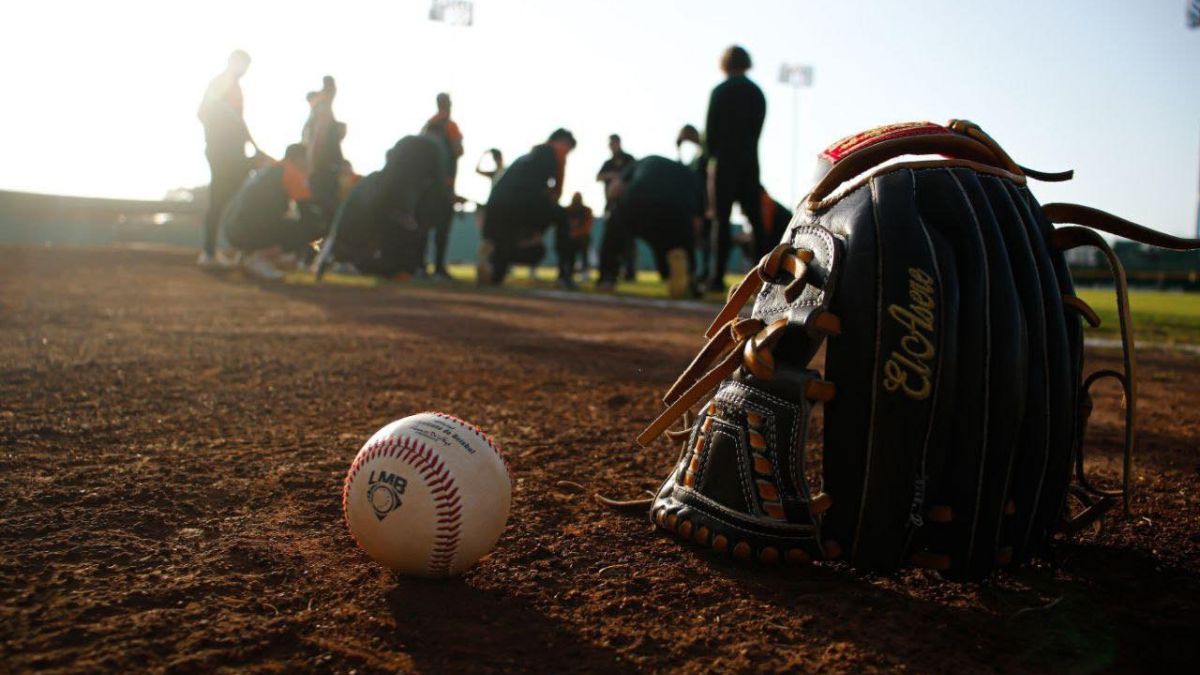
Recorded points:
(1158, 316)
(647, 285)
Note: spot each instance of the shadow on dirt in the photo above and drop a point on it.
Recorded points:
(445, 624)
(448, 316)
(1099, 609)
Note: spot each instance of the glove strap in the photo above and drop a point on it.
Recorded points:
(735, 342)
(1065, 238)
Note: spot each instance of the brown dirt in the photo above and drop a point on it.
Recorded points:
(172, 447)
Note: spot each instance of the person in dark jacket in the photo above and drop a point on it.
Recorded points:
(273, 213)
(225, 139)
(660, 201)
(736, 111)
(522, 206)
(610, 171)
(381, 226)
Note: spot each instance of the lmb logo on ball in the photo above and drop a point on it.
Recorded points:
(384, 492)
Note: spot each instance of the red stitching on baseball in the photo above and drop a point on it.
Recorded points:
(478, 432)
(447, 502)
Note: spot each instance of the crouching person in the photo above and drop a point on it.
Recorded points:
(660, 201)
(522, 206)
(381, 228)
(273, 216)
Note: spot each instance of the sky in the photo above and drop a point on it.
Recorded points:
(101, 96)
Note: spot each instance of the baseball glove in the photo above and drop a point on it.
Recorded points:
(953, 392)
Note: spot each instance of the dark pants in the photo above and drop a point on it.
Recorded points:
(435, 213)
(569, 249)
(662, 227)
(441, 229)
(735, 184)
(384, 243)
(441, 239)
(704, 248)
(288, 235)
(397, 251)
(324, 186)
(509, 253)
(512, 220)
(582, 244)
(229, 168)
(630, 260)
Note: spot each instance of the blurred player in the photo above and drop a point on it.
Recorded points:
(380, 227)
(572, 240)
(490, 166)
(446, 132)
(610, 171)
(660, 201)
(736, 111)
(225, 139)
(496, 169)
(775, 217)
(272, 214)
(523, 204)
(323, 139)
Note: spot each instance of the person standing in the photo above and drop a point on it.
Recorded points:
(225, 139)
(323, 138)
(736, 111)
(610, 171)
(446, 131)
(493, 175)
(572, 240)
(689, 148)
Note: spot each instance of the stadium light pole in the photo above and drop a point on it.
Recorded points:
(798, 76)
(456, 14)
(1193, 22)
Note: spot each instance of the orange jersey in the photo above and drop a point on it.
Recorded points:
(581, 220)
(295, 183)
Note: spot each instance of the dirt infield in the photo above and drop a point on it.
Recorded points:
(172, 447)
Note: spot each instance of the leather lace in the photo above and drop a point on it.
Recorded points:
(734, 342)
(1065, 238)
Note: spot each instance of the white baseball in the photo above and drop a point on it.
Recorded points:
(427, 495)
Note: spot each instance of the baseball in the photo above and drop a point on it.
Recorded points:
(428, 495)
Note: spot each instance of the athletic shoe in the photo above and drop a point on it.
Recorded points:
(442, 275)
(566, 283)
(257, 265)
(605, 286)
